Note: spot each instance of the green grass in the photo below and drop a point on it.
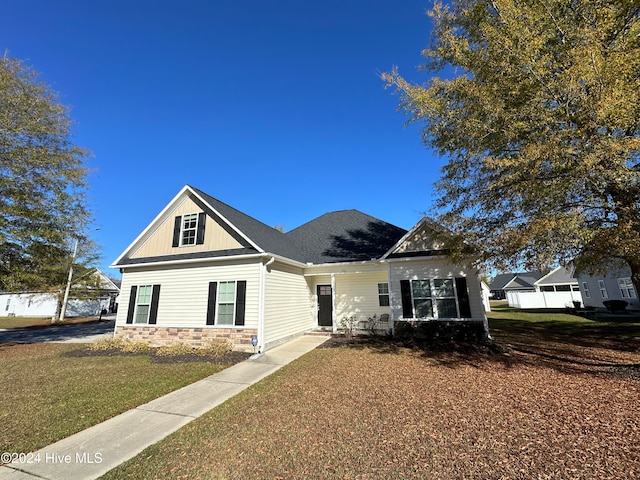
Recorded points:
(24, 322)
(47, 395)
(509, 325)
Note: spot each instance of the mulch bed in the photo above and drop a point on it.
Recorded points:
(229, 358)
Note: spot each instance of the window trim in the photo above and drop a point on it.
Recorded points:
(585, 289)
(434, 297)
(383, 294)
(233, 303)
(138, 304)
(627, 289)
(183, 229)
(602, 286)
(133, 311)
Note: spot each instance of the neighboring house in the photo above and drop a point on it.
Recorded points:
(202, 270)
(95, 284)
(615, 284)
(515, 282)
(557, 289)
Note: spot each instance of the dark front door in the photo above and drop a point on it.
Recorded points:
(325, 306)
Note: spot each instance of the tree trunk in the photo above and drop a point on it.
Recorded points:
(634, 264)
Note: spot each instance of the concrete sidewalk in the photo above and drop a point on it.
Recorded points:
(93, 452)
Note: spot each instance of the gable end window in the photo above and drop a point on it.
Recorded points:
(226, 303)
(188, 229)
(143, 304)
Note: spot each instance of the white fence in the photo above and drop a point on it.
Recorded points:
(543, 299)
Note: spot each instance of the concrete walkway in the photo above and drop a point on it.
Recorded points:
(93, 452)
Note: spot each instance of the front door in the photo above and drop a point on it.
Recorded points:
(325, 306)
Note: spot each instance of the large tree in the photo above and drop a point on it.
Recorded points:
(536, 106)
(42, 183)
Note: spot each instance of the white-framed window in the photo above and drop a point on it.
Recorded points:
(626, 288)
(143, 304)
(226, 303)
(6, 308)
(603, 289)
(189, 229)
(434, 298)
(585, 289)
(422, 301)
(383, 294)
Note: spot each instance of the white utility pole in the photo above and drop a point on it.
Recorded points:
(66, 292)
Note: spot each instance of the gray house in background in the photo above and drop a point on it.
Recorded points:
(513, 281)
(614, 284)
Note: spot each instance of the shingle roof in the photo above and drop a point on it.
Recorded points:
(267, 238)
(345, 235)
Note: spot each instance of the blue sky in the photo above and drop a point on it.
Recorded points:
(276, 108)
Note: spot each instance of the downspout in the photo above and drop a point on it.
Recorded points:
(333, 304)
(261, 316)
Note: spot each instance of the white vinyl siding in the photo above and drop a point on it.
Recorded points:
(185, 291)
(288, 309)
(357, 295)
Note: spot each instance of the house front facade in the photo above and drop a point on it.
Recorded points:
(203, 270)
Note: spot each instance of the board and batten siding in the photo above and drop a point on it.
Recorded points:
(422, 269)
(287, 304)
(184, 291)
(356, 295)
(159, 241)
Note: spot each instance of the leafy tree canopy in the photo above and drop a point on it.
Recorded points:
(537, 109)
(42, 183)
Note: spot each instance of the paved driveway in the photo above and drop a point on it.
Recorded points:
(78, 333)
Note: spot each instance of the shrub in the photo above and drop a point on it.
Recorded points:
(177, 348)
(216, 348)
(122, 345)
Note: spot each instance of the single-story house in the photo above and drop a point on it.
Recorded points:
(557, 289)
(614, 284)
(98, 293)
(520, 282)
(202, 270)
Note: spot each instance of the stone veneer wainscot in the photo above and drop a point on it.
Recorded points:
(198, 337)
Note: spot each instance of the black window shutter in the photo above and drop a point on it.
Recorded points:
(176, 231)
(241, 295)
(211, 303)
(153, 311)
(132, 303)
(407, 304)
(201, 221)
(463, 297)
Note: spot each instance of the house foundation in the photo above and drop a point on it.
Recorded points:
(198, 337)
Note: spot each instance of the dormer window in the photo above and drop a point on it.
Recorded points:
(188, 229)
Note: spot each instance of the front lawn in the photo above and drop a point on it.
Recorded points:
(48, 394)
(24, 322)
(556, 404)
